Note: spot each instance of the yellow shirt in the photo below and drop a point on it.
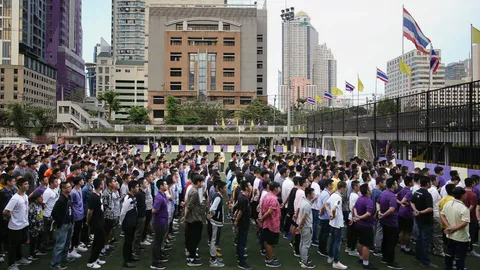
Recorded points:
(456, 212)
(334, 184)
(442, 203)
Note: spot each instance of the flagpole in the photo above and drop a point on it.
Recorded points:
(375, 89)
(430, 73)
(471, 50)
(358, 91)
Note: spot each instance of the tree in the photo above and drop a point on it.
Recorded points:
(139, 115)
(76, 95)
(42, 119)
(19, 115)
(198, 112)
(258, 110)
(173, 116)
(386, 107)
(111, 100)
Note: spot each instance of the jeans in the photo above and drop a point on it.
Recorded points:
(425, 233)
(213, 241)
(456, 251)
(129, 234)
(194, 235)
(15, 240)
(305, 242)
(315, 223)
(242, 237)
(148, 220)
(323, 237)
(47, 234)
(335, 242)
(62, 244)
(138, 235)
(157, 252)
(437, 236)
(390, 239)
(98, 243)
(378, 236)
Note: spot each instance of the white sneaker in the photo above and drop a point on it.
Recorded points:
(474, 254)
(353, 253)
(2, 259)
(23, 261)
(100, 262)
(81, 249)
(74, 255)
(329, 260)
(93, 265)
(145, 243)
(339, 265)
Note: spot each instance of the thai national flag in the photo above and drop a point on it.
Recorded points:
(312, 101)
(349, 87)
(434, 61)
(382, 76)
(412, 32)
(327, 95)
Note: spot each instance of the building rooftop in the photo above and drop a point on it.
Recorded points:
(130, 62)
(302, 14)
(104, 54)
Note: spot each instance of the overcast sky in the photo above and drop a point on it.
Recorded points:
(361, 34)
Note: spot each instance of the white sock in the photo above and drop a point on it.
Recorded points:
(403, 246)
(103, 250)
(407, 249)
(365, 262)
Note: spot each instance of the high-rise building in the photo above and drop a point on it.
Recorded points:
(456, 70)
(64, 45)
(25, 77)
(102, 47)
(324, 68)
(210, 51)
(299, 39)
(129, 84)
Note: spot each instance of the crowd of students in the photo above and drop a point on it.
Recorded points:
(83, 198)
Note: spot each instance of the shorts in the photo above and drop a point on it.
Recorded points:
(270, 237)
(405, 224)
(109, 224)
(365, 236)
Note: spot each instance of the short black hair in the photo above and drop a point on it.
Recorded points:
(244, 185)
(160, 182)
(273, 186)
(424, 181)
(97, 182)
(197, 179)
(438, 169)
(364, 189)
(458, 192)
(309, 191)
(20, 181)
(449, 188)
(221, 184)
(390, 182)
(132, 184)
(469, 182)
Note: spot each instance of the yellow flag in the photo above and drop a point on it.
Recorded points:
(475, 35)
(223, 123)
(318, 99)
(405, 68)
(360, 85)
(251, 124)
(236, 121)
(336, 91)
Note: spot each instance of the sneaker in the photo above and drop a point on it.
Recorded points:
(163, 259)
(474, 254)
(81, 249)
(2, 259)
(129, 265)
(384, 261)
(263, 253)
(13, 267)
(410, 252)
(339, 265)
(441, 254)
(308, 264)
(23, 261)
(216, 263)
(286, 236)
(100, 262)
(370, 266)
(33, 258)
(296, 254)
(58, 267)
(272, 264)
(322, 254)
(145, 243)
(244, 266)
(74, 255)
(91, 237)
(93, 265)
(194, 263)
(353, 253)
(291, 244)
(394, 265)
(329, 260)
(430, 265)
(377, 254)
(122, 234)
(40, 253)
(315, 244)
(157, 266)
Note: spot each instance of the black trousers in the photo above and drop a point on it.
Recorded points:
(282, 219)
(3, 235)
(15, 240)
(98, 243)
(148, 219)
(128, 243)
(351, 237)
(390, 239)
(194, 235)
(323, 235)
(77, 228)
(157, 252)
(84, 235)
(33, 243)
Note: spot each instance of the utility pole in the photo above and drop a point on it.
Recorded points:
(288, 15)
(274, 109)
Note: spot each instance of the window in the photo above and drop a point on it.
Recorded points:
(259, 38)
(228, 57)
(228, 86)
(175, 72)
(118, 70)
(228, 72)
(203, 27)
(15, 79)
(260, 50)
(103, 62)
(260, 78)
(176, 41)
(202, 41)
(15, 96)
(158, 100)
(15, 71)
(228, 41)
(228, 101)
(2, 70)
(175, 56)
(260, 64)
(260, 91)
(158, 114)
(100, 70)
(226, 26)
(245, 100)
(107, 70)
(191, 73)
(127, 70)
(179, 26)
(212, 58)
(176, 86)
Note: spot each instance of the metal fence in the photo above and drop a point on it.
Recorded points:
(437, 126)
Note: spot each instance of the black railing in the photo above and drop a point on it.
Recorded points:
(437, 126)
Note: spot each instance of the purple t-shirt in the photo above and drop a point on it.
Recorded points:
(476, 190)
(161, 205)
(363, 205)
(387, 200)
(405, 211)
(441, 181)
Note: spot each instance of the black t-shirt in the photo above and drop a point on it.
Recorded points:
(95, 204)
(238, 190)
(244, 206)
(423, 200)
(291, 200)
(141, 203)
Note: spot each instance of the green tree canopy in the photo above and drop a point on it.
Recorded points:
(386, 107)
(173, 116)
(258, 110)
(139, 115)
(20, 115)
(111, 100)
(42, 119)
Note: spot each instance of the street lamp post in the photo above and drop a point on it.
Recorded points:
(287, 16)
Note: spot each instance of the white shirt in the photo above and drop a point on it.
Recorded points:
(316, 188)
(415, 188)
(18, 207)
(50, 197)
(351, 203)
(299, 196)
(286, 188)
(335, 202)
(443, 191)
(372, 184)
(436, 201)
(188, 190)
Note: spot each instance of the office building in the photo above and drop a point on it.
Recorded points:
(24, 75)
(456, 70)
(91, 79)
(210, 51)
(64, 45)
(324, 68)
(129, 84)
(104, 72)
(102, 47)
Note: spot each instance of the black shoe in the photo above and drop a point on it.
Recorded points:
(129, 265)
(135, 258)
(410, 252)
(394, 265)
(244, 266)
(370, 266)
(157, 266)
(384, 260)
(194, 263)
(163, 259)
(360, 261)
